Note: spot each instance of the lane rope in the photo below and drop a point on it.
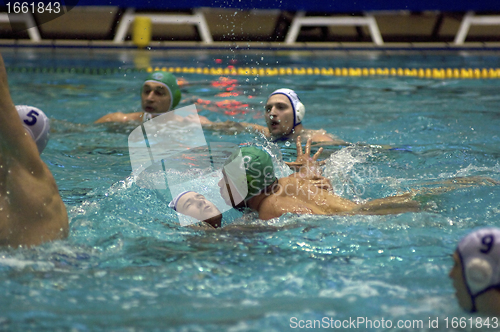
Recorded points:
(436, 73)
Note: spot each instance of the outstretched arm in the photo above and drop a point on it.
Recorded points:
(231, 127)
(15, 142)
(120, 117)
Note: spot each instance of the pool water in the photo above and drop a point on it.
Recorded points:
(129, 266)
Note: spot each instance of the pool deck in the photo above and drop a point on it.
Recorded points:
(100, 27)
(270, 46)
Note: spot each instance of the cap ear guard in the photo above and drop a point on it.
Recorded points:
(300, 111)
(479, 253)
(478, 273)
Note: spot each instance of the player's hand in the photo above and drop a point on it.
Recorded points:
(307, 166)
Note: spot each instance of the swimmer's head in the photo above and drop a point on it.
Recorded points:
(479, 256)
(246, 173)
(161, 79)
(299, 109)
(195, 205)
(36, 124)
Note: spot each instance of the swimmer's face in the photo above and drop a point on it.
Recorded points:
(463, 297)
(155, 98)
(279, 115)
(197, 206)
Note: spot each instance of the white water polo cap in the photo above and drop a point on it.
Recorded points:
(36, 123)
(299, 109)
(173, 203)
(480, 255)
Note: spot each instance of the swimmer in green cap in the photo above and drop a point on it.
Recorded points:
(248, 180)
(160, 94)
(31, 209)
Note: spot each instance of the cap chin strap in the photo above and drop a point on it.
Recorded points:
(477, 275)
(474, 308)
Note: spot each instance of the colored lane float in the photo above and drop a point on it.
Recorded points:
(436, 73)
(228, 107)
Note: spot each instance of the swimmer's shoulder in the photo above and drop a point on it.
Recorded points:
(278, 202)
(320, 135)
(256, 127)
(121, 117)
(269, 208)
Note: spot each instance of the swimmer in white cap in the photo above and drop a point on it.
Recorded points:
(284, 113)
(160, 94)
(476, 272)
(197, 206)
(31, 209)
(36, 123)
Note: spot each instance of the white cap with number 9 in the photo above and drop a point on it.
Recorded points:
(36, 124)
(480, 255)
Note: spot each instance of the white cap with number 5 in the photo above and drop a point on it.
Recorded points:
(36, 124)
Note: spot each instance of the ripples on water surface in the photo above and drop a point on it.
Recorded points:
(128, 264)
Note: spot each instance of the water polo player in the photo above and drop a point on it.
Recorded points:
(31, 209)
(160, 94)
(476, 272)
(284, 114)
(250, 181)
(195, 205)
(36, 123)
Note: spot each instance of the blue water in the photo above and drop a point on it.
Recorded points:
(128, 266)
